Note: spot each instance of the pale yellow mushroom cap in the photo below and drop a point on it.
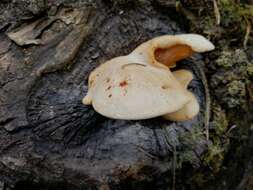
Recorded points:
(173, 47)
(140, 85)
(187, 112)
(100, 72)
(183, 76)
(135, 91)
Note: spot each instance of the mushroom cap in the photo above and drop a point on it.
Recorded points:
(197, 42)
(136, 91)
(104, 70)
(187, 112)
(191, 108)
(146, 51)
(138, 86)
(183, 76)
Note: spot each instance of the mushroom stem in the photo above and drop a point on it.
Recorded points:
(169, 56)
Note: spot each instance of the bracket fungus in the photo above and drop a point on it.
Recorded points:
(141, 85)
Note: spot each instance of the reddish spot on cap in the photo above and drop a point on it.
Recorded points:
(123, 83)
(164, 87)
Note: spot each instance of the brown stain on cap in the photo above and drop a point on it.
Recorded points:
(123, 83)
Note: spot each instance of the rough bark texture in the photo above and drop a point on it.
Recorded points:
(48, 136)
(50, 140)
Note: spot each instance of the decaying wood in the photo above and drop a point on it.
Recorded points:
(49, 136)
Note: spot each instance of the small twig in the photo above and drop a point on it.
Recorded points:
(207, 101)
(151, 156)
(216, 12)
(246, 37)
(230, 129)
(174, 167)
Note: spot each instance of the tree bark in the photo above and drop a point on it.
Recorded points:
(48, 138)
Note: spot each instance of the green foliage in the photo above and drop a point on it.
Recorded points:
(189, 140)
(250, 70)
(235, 12)
(234, 20)
(232, 73)
(214, 157)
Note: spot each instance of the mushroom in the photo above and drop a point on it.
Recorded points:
(191, 108)
(134, 91)
(141, 86)
(165, 51)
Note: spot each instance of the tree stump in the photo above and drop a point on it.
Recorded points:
(48, 138)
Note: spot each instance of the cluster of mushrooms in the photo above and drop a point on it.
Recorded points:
(141, 85)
